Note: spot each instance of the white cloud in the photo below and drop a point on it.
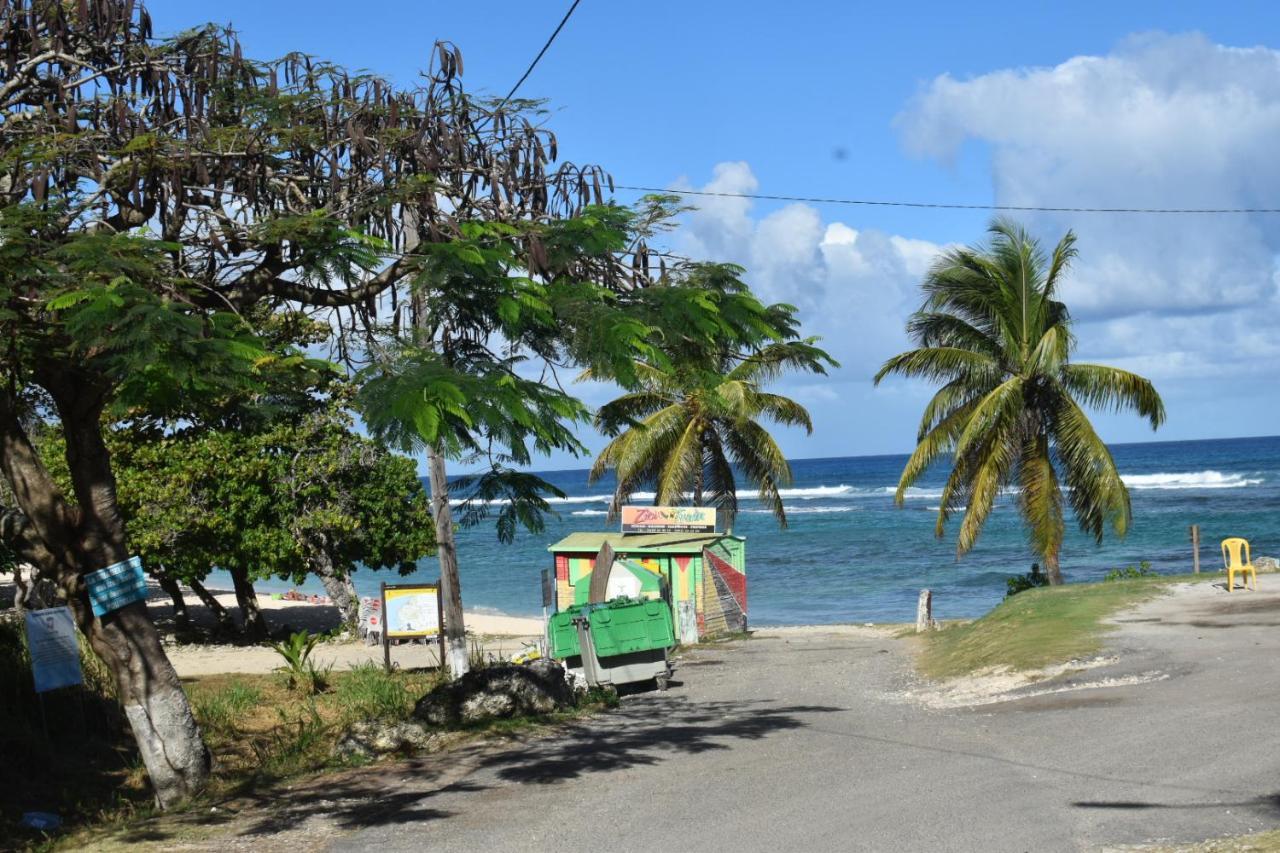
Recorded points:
(1190, 301)
(1162, 121)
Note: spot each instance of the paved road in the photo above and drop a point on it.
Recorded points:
(792, 744)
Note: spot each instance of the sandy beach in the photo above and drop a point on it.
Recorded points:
(492, 634)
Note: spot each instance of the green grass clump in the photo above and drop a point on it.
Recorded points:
(218, 711)
(369, 692)
(1034, 629)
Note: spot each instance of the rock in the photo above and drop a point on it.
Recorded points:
(497, 692)
(370, 738)
(1266, 564)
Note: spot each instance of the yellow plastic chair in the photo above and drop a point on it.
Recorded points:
(1232, 550)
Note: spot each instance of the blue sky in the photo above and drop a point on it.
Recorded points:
(1153, 104)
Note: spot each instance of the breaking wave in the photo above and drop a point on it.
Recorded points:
(803, 510)
(1189, 480)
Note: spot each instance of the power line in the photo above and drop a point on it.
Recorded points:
(537, 58)
(946, 206)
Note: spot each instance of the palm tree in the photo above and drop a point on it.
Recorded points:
(683, 429)
(1010, 409)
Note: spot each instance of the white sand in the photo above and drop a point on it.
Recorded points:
(493, 635)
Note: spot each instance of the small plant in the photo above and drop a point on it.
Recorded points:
(477, 656)
(1021, 583)
(301, 671)
(370, 692)
(1143, 570)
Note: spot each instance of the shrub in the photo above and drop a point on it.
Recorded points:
(1143, 570)
(298, 667)
(1031, 580)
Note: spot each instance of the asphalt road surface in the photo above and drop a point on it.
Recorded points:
(805, 742)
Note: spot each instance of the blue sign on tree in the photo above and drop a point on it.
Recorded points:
(116, 586)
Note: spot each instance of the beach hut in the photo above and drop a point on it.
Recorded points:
(701, 575)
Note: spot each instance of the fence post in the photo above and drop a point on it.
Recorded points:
(1195, 547)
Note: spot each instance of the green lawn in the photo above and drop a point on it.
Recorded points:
(1037, 628)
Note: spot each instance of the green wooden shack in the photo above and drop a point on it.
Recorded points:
(702, 576)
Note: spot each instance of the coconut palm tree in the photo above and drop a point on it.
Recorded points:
(683, 429)
(1010, 411)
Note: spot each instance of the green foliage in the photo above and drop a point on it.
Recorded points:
(1142, 570)
(276, 496)
(1009, 412)
(220, 711)
(691, 416)
(1020, 583)
(301, 672)
(369, 692)
(300, 742)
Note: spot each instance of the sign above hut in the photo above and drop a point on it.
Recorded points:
(668, 519)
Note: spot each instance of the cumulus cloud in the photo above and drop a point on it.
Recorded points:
(1161, 121)
(854, 287)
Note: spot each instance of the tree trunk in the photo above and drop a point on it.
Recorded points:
(153, 700)
(224, 625)
(254, 624)
(1051, 569)
(455, 634)
(67, 543)
(181, 619)
(337, 585)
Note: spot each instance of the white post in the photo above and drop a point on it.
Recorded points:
(924, 611)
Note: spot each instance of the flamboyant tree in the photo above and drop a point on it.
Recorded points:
(155, 192)
(151, 191)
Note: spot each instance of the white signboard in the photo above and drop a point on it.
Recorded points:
(55, 653)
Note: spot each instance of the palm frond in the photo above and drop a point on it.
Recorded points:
(939, 364)
(1097, 494)
(758, 456)
(1110, 388)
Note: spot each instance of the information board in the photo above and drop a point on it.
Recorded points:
(54, 650)
(411, 610)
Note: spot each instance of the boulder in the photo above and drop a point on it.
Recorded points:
(497, 692)
(1266, 564)
(371, 738)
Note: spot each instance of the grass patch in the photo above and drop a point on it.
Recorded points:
(264, 733)
(1037, 628)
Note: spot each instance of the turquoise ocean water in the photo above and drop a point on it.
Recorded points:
(850, 555)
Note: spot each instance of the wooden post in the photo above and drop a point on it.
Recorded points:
(382, 620)
(1195, 547)
(598, 588)
(924, 611)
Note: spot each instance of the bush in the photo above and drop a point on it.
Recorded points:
(1031, 580)
(302, 673)
(1143, 570)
